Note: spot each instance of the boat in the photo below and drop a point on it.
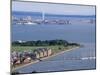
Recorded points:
(88, 58)
(30, 23)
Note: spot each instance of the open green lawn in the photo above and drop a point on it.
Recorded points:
(56, 48)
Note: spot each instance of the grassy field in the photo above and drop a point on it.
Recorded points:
(31, 48)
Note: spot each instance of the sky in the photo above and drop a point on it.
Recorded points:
(65, 9)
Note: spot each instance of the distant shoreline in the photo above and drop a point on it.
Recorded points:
(36, 61)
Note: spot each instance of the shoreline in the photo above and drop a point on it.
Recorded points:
(36, 61)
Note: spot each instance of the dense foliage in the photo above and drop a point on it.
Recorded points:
(43, 43)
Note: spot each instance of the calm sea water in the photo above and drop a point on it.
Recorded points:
(74, 33)
(82, 33)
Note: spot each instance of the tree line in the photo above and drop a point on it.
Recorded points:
(43, 43)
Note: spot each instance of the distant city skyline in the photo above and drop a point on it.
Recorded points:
(51, 8)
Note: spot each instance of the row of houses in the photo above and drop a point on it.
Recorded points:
(27, 56)
(42, 52)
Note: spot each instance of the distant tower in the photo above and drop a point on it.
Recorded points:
(29, 18)
(43, 16)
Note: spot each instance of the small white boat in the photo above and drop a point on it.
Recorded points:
(87, 58)
(30, 23)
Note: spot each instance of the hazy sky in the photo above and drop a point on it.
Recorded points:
(65, 9)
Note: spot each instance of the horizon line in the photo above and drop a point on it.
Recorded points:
(54, 14)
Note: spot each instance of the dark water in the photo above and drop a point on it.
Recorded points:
(82, 33)
(76, 33)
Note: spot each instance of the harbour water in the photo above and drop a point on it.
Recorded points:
(74, 33)
(78, 59)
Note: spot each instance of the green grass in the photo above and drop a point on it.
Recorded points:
(56, 48)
